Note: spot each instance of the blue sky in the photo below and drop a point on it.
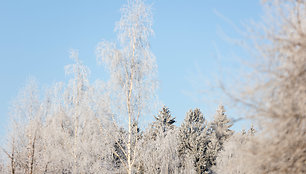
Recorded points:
(35, 37)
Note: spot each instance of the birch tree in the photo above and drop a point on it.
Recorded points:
(89, 144)
(62, 131)
(76, 93)
(24, 139)
(132, 70)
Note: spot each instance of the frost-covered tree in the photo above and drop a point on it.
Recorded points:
(283, 91)
(276, 94)
(25, 141)
(89, 144)
(77, 96)
(193, 140)
(219, 133)
(132, 70)
(232, 159)
(163, 122)
(159, 154)
(158, 151)
(221, 127)
(65, 130)
(119, 149)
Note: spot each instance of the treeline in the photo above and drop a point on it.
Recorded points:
(70, 130)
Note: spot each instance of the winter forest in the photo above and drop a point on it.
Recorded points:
(88, 127)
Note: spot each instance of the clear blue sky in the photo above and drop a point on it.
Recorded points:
(35, 37)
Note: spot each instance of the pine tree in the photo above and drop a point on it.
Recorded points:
(163, 122)
(193, 140)
(221, 127)
(219, 133)
(118, 153)
(158, 148)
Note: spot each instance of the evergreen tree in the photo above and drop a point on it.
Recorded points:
(219, 133)
(193, 140)
(118, 157)
(163, 122)
(119, 147)
(221, 127)
(158, 152)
